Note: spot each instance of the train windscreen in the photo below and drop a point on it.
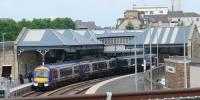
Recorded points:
(41, 73)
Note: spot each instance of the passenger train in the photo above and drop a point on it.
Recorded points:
(53, 75)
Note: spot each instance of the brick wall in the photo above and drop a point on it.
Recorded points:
(176, 80)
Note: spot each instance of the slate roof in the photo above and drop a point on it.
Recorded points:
(157, 18)
(182, 14)
(108, 34)
(50, 37)
(163, 35)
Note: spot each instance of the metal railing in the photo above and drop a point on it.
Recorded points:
(151, 95)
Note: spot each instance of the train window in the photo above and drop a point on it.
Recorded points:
(95, 66)
(102, 65)
(76, 69)
(65, 72)
(112, 64)
(140, 60)
(123, 63)
(132, 61)
(85, 68)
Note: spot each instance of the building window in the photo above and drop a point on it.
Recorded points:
(161, 12)
(197, 19)
(151, 12)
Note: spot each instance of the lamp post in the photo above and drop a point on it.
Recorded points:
(157, 50)
(185, 66)
(3, 48)
(135, 65)
(144, 61)
(151, 79)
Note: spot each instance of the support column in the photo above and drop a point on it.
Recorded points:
(19, 52)
(43, 53)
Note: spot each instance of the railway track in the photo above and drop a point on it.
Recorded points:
(78, 88)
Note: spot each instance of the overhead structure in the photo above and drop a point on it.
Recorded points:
(176, 5)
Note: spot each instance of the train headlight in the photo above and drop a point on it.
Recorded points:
(46, 84)
(35, 84)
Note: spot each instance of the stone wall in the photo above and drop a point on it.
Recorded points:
(195, 46)
(9, 59)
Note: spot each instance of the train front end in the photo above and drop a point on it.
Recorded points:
(41, 77)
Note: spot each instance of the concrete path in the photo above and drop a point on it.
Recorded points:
(194, 76)
(118, 85)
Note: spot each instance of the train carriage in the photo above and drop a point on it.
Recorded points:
(69, 72)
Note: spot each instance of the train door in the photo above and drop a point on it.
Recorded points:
(112, 63)
(95, 67)
(76, 70)
(84, 69)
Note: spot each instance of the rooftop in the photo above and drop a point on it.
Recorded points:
(163, 35)
(182, 14)
(51, 37)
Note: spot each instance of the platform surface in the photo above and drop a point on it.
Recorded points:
(121, 84)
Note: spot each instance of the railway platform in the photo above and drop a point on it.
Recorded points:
(121, 84)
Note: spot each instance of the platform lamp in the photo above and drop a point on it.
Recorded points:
(142, 18)
(149, 30)
(3, 48)
(136, 78)
(151, 75)
(185, 66)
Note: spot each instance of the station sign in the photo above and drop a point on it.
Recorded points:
(170, 69)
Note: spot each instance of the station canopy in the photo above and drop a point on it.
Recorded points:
(30, 38)
(164, 36)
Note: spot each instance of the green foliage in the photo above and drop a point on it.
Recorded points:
(12, 28)
(9, 27)
(62, 23)
(130, 26)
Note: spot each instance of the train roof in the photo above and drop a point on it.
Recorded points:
(131, 56)
(69, 64)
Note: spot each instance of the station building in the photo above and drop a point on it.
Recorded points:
(37, 46)
(45, 46)
(169, 41)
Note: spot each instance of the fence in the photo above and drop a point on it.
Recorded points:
(164, 94)
(157, 75)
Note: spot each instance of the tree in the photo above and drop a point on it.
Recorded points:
(63, 23)
(41, 23)
(12, 28)
(130, 26)
(9, 27)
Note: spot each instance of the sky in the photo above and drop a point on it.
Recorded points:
(103, 12)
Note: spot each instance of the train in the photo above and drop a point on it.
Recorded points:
(53, 75)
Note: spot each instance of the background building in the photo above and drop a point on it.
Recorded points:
(79, 24)
(156, 16)
(153, 10)
(131, 19)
